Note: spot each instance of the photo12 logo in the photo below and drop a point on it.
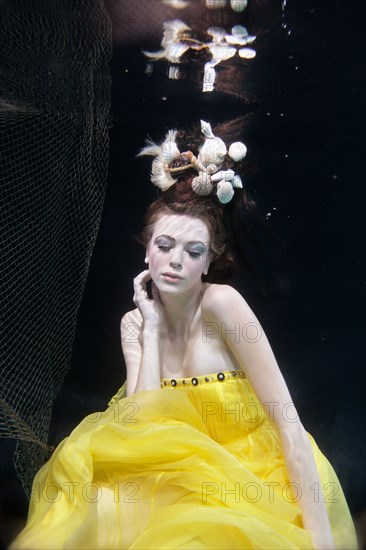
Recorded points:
(251, 412)
(91, 492)
(253, 491)
(250, 332)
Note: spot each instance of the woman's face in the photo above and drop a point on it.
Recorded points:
(178, 252)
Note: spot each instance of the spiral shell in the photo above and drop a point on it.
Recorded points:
(201, 184)
(213, 151)
(225, 191)
(206, 129)
(237, 151)
(196, 163)
(211, 168)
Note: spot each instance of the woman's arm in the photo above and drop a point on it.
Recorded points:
(226, 307)
(131, 347)
(141, 351)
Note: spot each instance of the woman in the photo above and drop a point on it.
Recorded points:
(202, 446)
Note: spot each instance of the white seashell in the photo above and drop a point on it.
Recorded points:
(174, 72)
(247, 53)
(176, 4)
(213, 62)
(174, 52)
(159, 176)
(250, 39)
(237, 40)
(197, 164)
(206, 129)
(155, 56)
(217, 33)
(236, 182)
(212, 151)
(226, 175)
(215, 4)
(237, 151)
(211, 168)
(239, 30)
(173, 31)
(221, 52)
(156, 150)
(170, 151)
(225, 191)
(209, 78)
(238, 5)
(201, 184)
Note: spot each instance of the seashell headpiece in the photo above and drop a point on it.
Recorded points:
(211, 155)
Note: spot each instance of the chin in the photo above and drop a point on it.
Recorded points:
(170, 288)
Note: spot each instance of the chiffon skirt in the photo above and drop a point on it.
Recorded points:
(196, 464)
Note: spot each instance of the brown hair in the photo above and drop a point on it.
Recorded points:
(227, 223)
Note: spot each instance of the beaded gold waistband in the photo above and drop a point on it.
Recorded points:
(204, 379)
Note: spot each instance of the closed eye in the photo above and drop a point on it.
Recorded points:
(164, 248)
(194, 254)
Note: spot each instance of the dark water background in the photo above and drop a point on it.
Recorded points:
(307, 145)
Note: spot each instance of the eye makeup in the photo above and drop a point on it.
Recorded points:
(194, 248)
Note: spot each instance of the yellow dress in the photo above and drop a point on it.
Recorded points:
(194, 465)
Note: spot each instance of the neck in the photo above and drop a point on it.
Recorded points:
(181, 310)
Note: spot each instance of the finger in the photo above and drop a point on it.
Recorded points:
(141, 294)
(144, 274)
(141, 279)
(155, 293)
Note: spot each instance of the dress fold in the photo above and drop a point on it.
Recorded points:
(195, 464)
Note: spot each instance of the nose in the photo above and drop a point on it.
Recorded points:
(175, 265)
(176, 260)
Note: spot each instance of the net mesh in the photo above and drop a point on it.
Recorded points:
(54, 114)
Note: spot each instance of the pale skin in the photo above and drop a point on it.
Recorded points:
(169, 343)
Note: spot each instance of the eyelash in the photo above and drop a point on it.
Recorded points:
(164, 248)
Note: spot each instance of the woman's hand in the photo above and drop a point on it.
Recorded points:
(152, 311)
(143, 371)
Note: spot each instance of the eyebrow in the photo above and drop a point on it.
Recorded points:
(172, 239)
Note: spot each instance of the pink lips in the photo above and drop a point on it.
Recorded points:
(172, 276)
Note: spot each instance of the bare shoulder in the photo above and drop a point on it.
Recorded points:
(223, 300)
(220, 294)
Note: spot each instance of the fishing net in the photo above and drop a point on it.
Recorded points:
(54, 114)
